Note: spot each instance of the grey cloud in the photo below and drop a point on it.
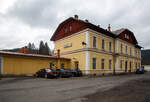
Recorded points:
(36, 13)
(47, 14)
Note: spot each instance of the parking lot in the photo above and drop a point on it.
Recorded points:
(58, 90)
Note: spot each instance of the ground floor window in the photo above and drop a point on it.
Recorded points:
(121, 64)
(62, 65)
(52, 65)
(136, 65)
(103, 63)
(110, 64)
(94, 63)
(126, 66)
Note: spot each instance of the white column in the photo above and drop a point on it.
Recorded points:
(87, 39)
(87, 66)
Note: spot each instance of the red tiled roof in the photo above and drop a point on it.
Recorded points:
(86, 24)
(30, 55)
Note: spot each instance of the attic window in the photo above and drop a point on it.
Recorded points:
(126, 36)
(70, 28)
(65, 29)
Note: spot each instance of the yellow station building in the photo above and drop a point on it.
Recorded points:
(83, 46)
(95, 50)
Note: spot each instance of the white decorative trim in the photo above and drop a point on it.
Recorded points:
(87, 39)
(1, 58)
(87, 66)
(87, 49)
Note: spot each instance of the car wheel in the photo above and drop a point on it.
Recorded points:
(45, 75)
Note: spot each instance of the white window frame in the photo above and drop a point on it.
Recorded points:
(131, 51)
(94, 63)
(102, 62)
(103, 45)
(95, 42)
(121, 47)
(110, 47)
(126, 49)
(121, 64)
(110, 64)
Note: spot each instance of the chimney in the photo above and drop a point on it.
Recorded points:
(76, 17)
(86, 21)
(58, 53)
(109, 28)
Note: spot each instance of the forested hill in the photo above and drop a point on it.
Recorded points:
(145, 54)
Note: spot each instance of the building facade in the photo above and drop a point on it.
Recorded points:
(95, 50)
(14, 63)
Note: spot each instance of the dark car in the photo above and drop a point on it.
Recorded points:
(46, 73)
(140, 71)
(63, 73)
(76, 73)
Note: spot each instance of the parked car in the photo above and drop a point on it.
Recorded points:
(63, 73)
(76, 73)
(140, 71)
(46, 73)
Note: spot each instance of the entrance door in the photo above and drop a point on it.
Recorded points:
(0, 65)
(126, 66)
(77, 65)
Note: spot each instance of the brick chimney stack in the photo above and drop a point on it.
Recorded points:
(58, 53)
(109, 28)
(76, 17)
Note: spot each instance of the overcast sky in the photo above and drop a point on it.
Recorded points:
(24, 21)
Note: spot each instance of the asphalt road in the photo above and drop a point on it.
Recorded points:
(58, 90)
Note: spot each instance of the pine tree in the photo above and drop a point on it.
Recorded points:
(47, 50)
(41, 47)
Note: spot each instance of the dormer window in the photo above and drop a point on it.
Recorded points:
(70, 28)
(65, 29)
(126, 36)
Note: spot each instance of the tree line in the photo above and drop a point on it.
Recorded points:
(43, 49)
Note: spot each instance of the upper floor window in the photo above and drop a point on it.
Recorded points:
(121, 48)
(130, 50)
(103, 63)
(136, 52)
(65, 29)
(126, 49)
(103, 44)
(110, 64)
(110, 46)
(126, 36)
(94, 63)
(70, 28)
(94, 41)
